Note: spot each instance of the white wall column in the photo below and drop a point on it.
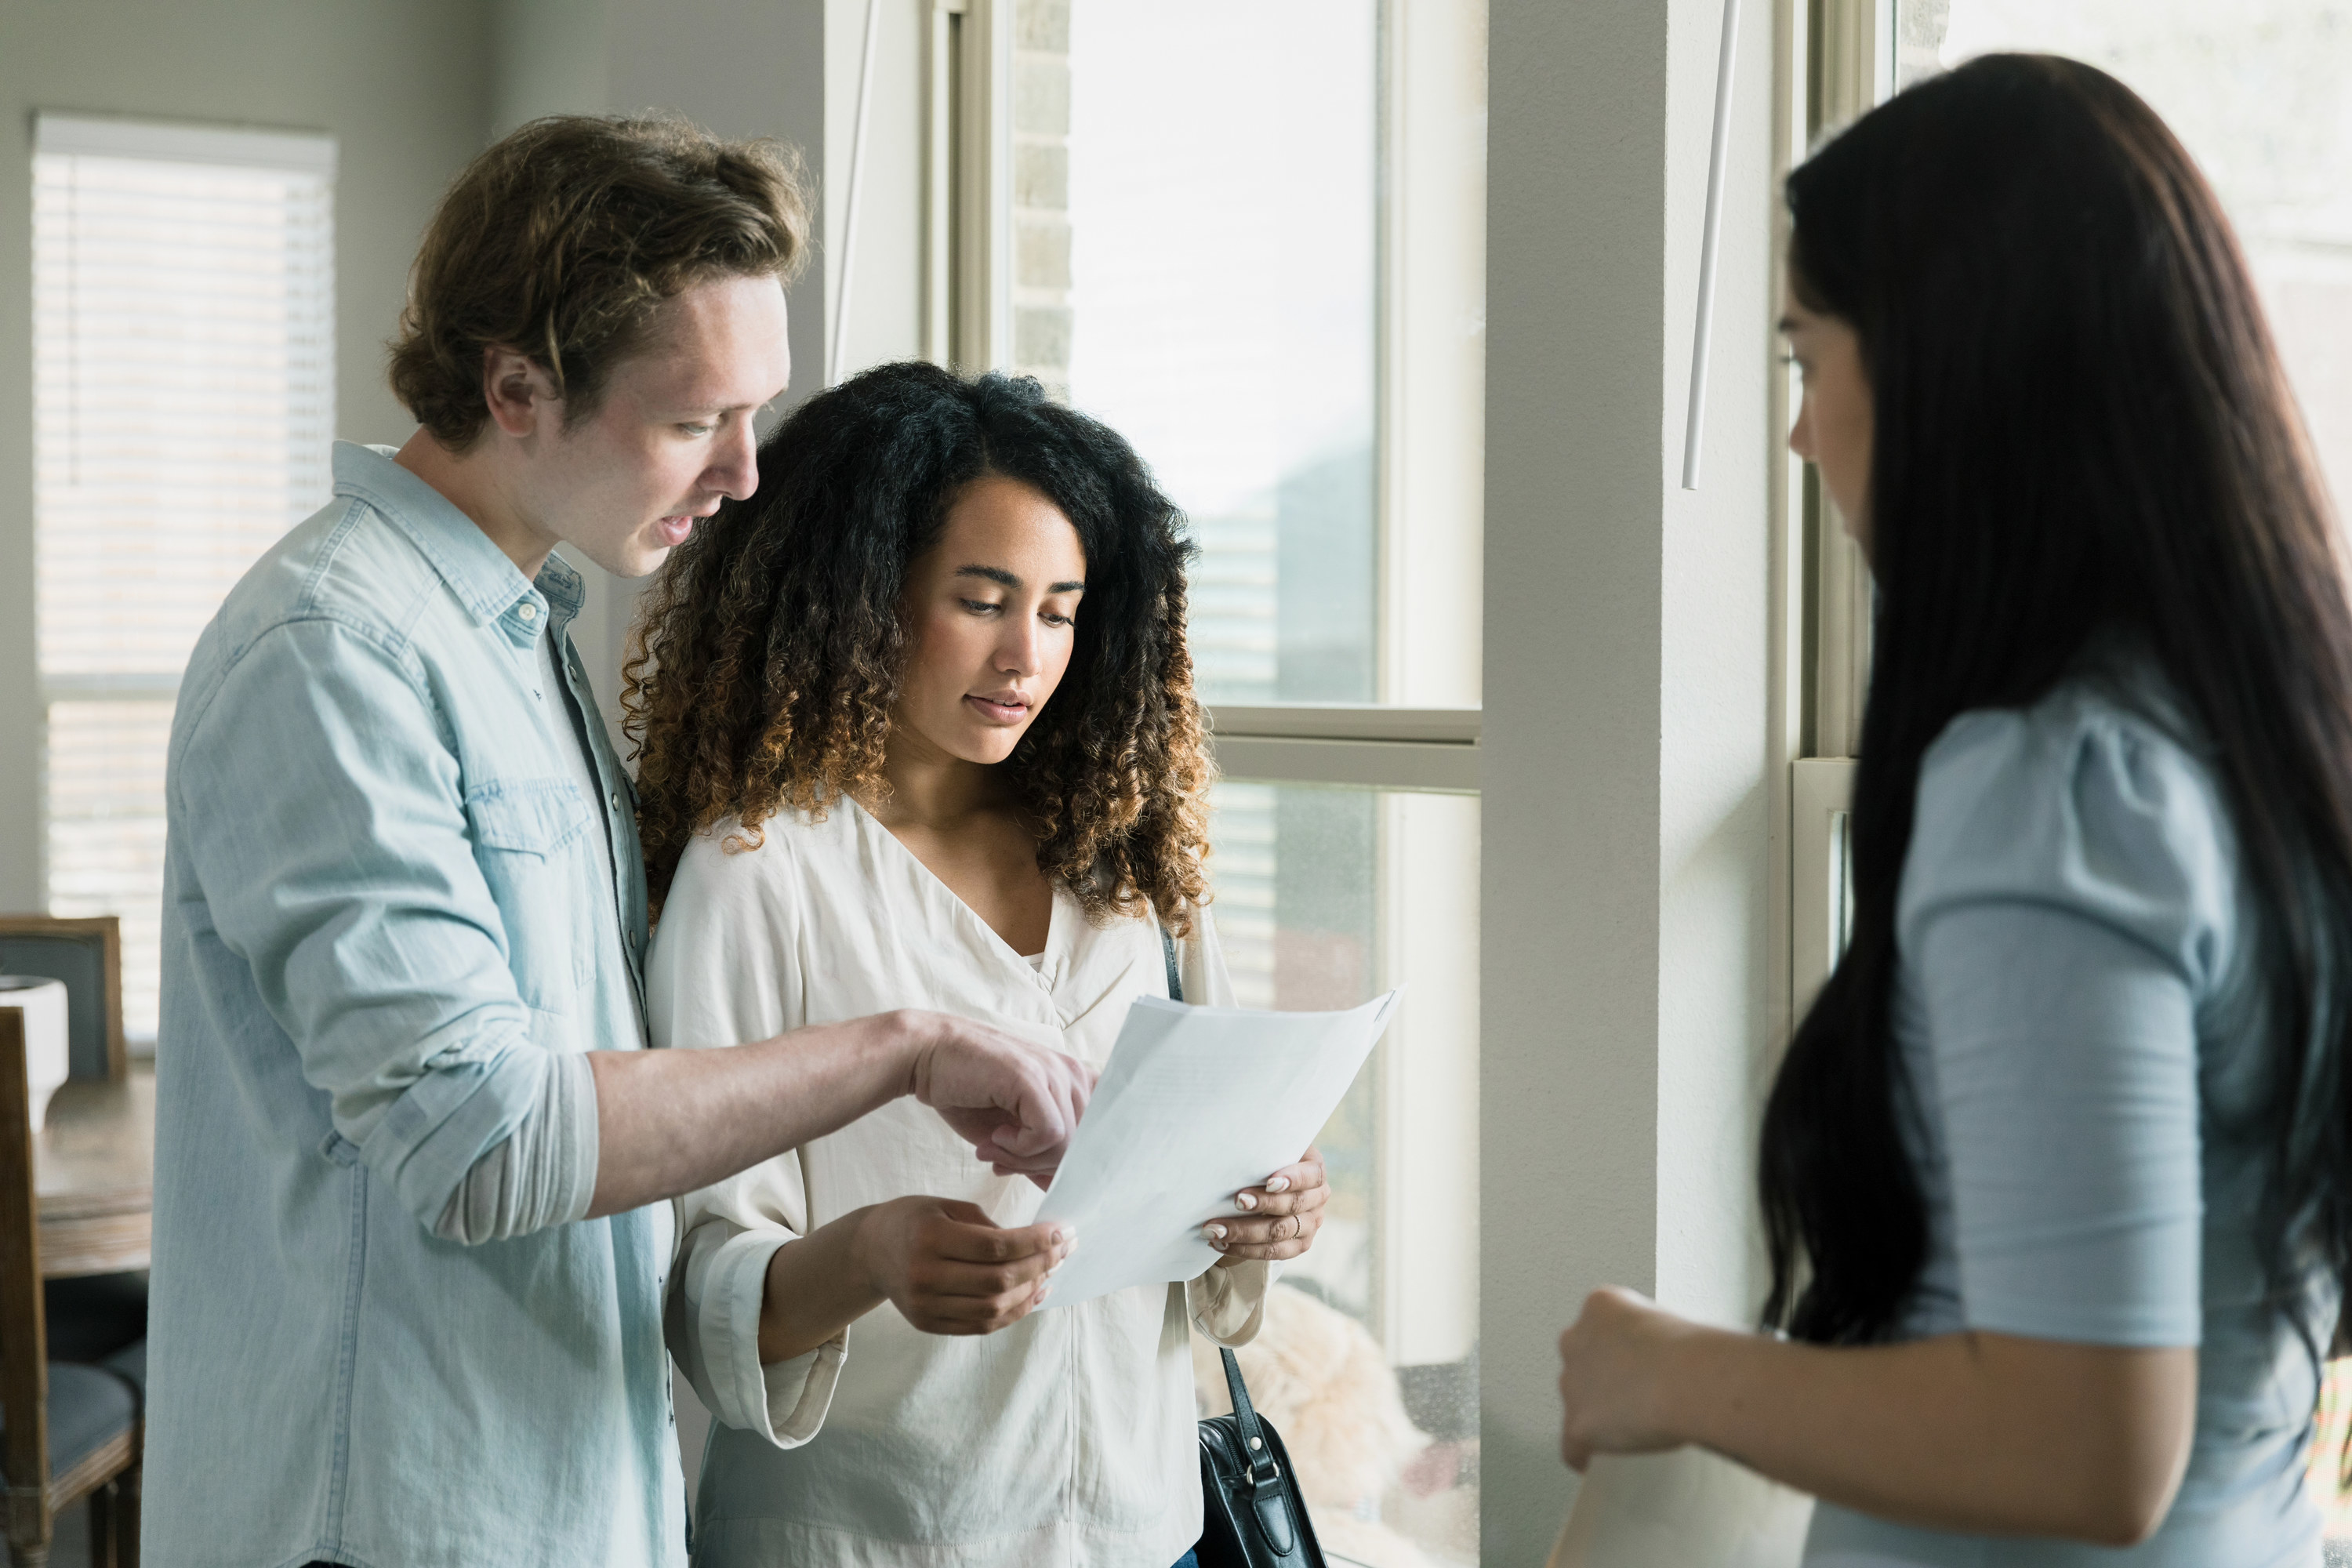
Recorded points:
(1629, 629)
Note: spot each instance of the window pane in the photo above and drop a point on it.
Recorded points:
(184, 398)
(1324, 896)
(1194, 263)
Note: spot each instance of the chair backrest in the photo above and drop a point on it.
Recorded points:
(23, 1336)
(86, 954)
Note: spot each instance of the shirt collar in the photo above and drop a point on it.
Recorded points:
(564, 590)
(476, 569)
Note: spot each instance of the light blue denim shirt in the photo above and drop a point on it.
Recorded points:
(383, 891)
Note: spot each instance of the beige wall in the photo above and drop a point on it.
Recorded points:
(402, 84)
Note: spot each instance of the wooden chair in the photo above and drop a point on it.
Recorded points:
(68, 1432)
(91, 1317)
(86, 954)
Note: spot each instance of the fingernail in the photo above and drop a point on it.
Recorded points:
(1217, 1232)
(1244, 1201)
(1279, 1184)
(1057, 1238)
(1044, 1291)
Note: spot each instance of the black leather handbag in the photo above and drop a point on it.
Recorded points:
(1250, 1513)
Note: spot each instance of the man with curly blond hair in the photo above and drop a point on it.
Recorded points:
(413, 1159)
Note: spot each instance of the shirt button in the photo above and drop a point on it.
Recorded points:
(527, 610)
(615, 799)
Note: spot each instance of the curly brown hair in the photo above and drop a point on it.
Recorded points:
(560, 241)
(762, 671)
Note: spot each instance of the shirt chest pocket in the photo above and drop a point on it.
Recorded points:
(530, 839)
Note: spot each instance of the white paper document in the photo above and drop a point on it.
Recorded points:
(1196, 1104)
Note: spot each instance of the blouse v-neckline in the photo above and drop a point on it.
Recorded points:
(1040, 965)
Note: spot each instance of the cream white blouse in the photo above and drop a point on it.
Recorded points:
(1065, 1440)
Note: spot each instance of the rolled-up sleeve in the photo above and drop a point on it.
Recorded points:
(722, 974)
(339, 867)
(729, 1233)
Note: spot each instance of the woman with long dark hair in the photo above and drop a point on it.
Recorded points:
(2057, 1172)
(916, 730)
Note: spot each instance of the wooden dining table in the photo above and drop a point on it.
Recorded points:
(94, 1175)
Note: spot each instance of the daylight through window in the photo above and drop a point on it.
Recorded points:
(184, 382)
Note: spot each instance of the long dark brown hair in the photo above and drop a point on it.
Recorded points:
(2081, 431)
(762, 671)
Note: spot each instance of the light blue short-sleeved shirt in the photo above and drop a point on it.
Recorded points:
(2078, 1009)
(387, 910)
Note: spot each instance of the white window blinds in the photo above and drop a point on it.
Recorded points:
(184, 398)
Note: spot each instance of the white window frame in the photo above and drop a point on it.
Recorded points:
(967, 182)
(1845, 51)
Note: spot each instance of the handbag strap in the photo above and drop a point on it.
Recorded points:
(1168, 952)
(1264, 1474)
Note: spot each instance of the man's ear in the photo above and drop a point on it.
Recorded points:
(521, 395)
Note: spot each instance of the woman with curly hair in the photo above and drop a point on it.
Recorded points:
(916, 730)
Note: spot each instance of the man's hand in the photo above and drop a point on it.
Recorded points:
(948, 1270)
(670, 1122)
(1015, 1103)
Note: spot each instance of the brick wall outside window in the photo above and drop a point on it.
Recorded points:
(1041, 194)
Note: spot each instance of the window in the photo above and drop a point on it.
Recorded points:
(184, 390)
(1326, 895)
(1252, 238)
(1851, 66)
(1211, 295)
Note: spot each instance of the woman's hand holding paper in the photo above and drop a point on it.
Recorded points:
(946, 1266)
(1276, 1220)
(948, 1270)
